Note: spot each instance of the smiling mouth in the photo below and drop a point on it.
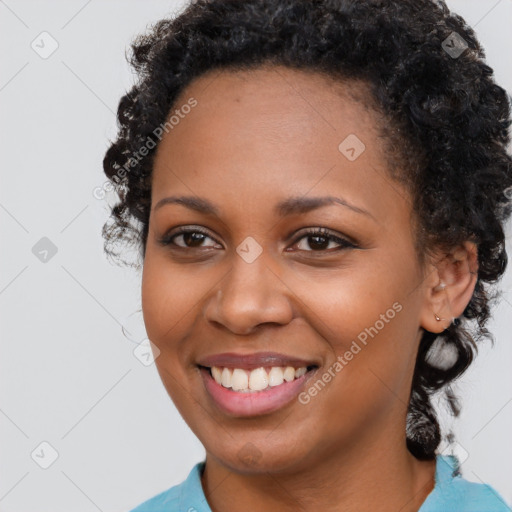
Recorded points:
(257, 379)
(256, 392)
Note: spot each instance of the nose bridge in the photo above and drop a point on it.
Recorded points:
(250, 294)
(250, 277)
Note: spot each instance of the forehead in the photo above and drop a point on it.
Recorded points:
(271, 92)
(271, 131)
(278, 79)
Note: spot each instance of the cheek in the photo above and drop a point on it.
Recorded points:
(365, 300)
(363, 330)
(168, 295)
(369, 321)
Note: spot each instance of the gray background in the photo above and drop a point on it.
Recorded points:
(68, 375)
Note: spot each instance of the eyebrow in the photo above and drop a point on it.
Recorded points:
(289, 206)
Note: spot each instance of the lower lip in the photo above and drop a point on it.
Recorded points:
(253, 403)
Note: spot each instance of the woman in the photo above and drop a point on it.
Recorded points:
(318, 190)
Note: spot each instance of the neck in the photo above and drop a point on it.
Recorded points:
(384, 477)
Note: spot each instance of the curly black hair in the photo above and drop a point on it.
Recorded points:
(447, 131)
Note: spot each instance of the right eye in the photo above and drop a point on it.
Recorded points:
(190, 238)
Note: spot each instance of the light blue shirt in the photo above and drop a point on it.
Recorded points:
(451, 493)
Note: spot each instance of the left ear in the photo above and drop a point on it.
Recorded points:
(449, 286)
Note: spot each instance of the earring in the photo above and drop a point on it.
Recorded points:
(436, 317)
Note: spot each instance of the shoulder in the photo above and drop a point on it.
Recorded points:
(453, 492)
(185, 497)
(168, 500)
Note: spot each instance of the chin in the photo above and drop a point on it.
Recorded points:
(252, 456)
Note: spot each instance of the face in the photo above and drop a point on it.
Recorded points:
(253, 288)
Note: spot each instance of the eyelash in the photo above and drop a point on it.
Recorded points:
(166, 240)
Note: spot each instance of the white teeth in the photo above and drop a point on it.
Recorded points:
(299, 372)
(275, 376)
(257, 379)
(217, 374)
(289, 373)
(239, 380)
(226, 378)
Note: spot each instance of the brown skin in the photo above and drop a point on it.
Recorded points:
(254, 139)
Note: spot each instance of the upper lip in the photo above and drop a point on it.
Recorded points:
(254, 360)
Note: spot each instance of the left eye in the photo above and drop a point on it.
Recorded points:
(320, 239)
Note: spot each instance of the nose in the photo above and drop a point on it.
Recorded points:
(250, 294)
